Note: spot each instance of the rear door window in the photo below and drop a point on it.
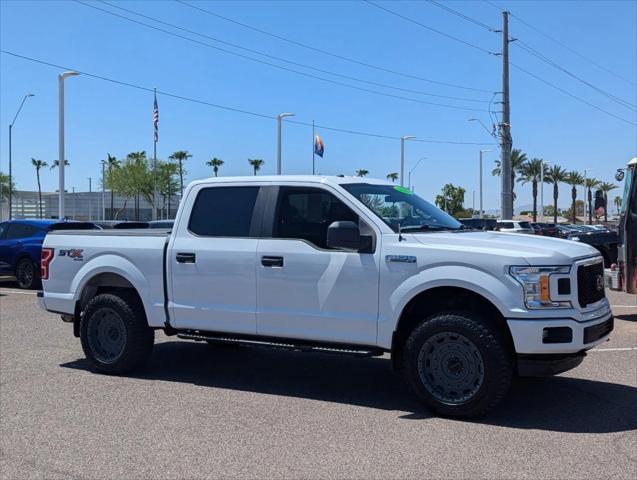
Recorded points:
(223, 211)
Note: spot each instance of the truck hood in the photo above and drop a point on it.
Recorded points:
(532, 249)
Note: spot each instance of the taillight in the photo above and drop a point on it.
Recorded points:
(45, 259)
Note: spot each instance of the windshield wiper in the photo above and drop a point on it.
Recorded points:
(424, 228)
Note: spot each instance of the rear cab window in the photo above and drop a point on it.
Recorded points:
(223, 211)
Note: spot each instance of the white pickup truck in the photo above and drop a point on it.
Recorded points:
(340, 265)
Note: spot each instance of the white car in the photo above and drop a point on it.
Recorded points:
(511, 226)
(335, 265)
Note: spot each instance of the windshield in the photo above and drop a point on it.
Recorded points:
(627, 183)
(399, 206)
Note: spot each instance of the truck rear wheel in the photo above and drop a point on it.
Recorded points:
(458, 364)
(115, 334)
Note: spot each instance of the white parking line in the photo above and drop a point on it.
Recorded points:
(623, 306)
(625, 349)
(22, 292)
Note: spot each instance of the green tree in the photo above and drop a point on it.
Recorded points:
(167, 182)
(4, 186)
(606, 187)
(133, 179)
(591, 183)
(617, 200)
(451, 199)
(392, 176)
(555, 175)
(256, 163)
(530, 172)
(574, 179)
(518, 158)
(361, 172)
(215, 163)
(39, 164)
(181, 156)
(577, 211)
(111, 163)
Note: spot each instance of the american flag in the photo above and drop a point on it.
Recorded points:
(156, 119)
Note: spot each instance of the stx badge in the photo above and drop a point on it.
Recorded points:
(74, 253)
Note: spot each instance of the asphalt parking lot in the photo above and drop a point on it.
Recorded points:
(201, 411)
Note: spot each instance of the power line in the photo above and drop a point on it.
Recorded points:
(305, 74)
(571, 95)
(526, 47)
(331, 54)
(257, 52)
(427, 27)
(219, 106)
(564, 45)
(460, 15)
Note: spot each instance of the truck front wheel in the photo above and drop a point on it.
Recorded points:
(115, 334)
(458, 364)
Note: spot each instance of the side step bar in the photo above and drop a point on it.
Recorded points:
(284, 344)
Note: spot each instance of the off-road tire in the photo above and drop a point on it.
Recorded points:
(128, 329)
(483, 348)
(26, 274)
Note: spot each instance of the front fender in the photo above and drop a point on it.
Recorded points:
(501, 291)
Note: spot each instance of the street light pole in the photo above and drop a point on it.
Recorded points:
(61, 156)
(279, 121)
(402, 157)
(103, 162)
(10, 154)
(414, 168)
(586, 170)
(481, 208)
(90, 190)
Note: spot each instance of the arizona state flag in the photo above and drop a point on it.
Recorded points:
(319, 148)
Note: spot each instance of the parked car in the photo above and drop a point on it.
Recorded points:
(605, 241)
(548, 229)
(479, 223)
(537, 230)
(335, 265)
(20, 245)
(514, 226)
(161, 224)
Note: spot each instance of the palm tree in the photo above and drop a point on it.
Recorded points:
(574, 179)
(617, 201)
(181, 156)
(392, 176)
(531, 171)
(111, 162)
(215, 163)
(518, 158)
(56, 163)
(38, 164)
(361, 172)
(256, 163)
(590, 184)
(555, 175)
(606, 187)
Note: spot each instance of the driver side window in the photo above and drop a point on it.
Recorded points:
(306, 213)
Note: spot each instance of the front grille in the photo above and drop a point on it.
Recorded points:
(598, 331)
(590, 283)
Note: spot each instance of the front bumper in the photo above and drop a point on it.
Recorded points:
(529, 335)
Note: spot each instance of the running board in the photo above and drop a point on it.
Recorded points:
(285, 344)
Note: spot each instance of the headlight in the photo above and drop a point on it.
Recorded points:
(575, 239)
(536, 283)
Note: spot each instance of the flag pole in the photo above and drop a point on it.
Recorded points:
(155, 111)
(313, 140)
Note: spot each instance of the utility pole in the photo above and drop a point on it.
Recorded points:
(103, 213)
(506, 143)
(90, 190)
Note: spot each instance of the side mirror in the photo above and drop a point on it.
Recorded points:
(344, 234)
(619, 176)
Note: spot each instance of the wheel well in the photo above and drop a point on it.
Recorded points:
(441, 299)
(103, 283)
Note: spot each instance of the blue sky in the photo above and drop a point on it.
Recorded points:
(103, 117)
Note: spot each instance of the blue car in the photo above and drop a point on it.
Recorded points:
(21, 244)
